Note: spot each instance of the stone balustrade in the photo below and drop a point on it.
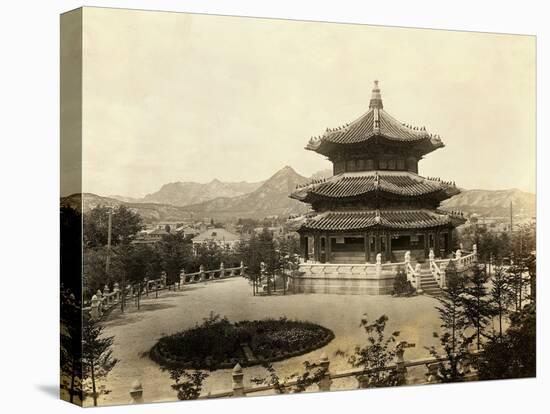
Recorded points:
(328, 379)
(106, 300)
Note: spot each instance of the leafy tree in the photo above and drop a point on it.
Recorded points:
(70, 250)
(454, 322)
(516, 285)
(139, 262)
(125, 225)
(379, 352)
(187, 385)
(210, 255)
(401, 286)
(477, 308)
(95, 275)
(71, 341)
(71, 301)
(499, 295)
(97, 359)
(174, 254)
(514, 354)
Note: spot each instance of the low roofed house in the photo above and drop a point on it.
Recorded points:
(219, 236)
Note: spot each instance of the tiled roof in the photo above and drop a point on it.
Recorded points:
(375, 122)
(355, 184)
(217, 234)
(362, 220)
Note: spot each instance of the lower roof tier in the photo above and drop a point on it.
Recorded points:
(356, 184)
(390, 219)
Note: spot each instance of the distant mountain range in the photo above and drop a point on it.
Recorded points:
(494, 203)
(220, 200)
(151, 212)
(271, 198)
(185, 193)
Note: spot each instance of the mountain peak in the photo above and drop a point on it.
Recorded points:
(287, 170)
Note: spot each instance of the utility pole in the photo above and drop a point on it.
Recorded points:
(511, 220)
(109, 231)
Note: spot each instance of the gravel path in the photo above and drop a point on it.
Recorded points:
(136, 331)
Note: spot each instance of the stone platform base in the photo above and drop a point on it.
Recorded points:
(346, 279)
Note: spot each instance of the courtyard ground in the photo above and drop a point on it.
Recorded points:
(136, 331)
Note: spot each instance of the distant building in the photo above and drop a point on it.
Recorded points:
(219, 236)
(150, 236)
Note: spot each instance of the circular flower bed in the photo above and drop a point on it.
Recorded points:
(220, 344)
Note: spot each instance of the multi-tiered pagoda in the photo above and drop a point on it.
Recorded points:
(376, 202)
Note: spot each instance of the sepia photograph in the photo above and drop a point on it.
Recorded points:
(260, 206)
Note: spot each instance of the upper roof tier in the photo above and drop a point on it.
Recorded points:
(375, 123)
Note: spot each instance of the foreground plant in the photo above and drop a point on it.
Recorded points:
(187, 385)
(378, 355)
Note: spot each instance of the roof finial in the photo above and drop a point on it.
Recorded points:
(376, 98)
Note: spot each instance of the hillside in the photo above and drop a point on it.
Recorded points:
(495, 203)
(270, 199)
(151, 212)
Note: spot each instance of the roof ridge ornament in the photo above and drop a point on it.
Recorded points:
(376, 98)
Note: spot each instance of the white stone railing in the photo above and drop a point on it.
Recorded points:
(353, 270)
(438, 266)
(413, 273)
(104, 301)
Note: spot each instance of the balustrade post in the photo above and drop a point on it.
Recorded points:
(242, 269)
(474, 251)
(222, 270)
(202, 273)
(136, 392)
(400, 362)
(94, 311)
(432, 375)
(378, 264)
(238, 383)
(182, 278)
(116, 291)
(325, 382)
(99, 295)
(106, 294)
(417, 271)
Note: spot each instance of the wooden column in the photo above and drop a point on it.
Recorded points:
(388, 254)
(367, 255)
(328, 246)
(436, 243)
(426, 244)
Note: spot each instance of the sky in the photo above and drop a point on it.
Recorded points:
(179, 97)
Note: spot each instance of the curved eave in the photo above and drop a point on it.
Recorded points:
(437, 195)
(350, 186)
(342, 221)
(424, 145)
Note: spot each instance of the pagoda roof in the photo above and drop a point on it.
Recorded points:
(355, 184)
(391, 219)
(375, 123)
